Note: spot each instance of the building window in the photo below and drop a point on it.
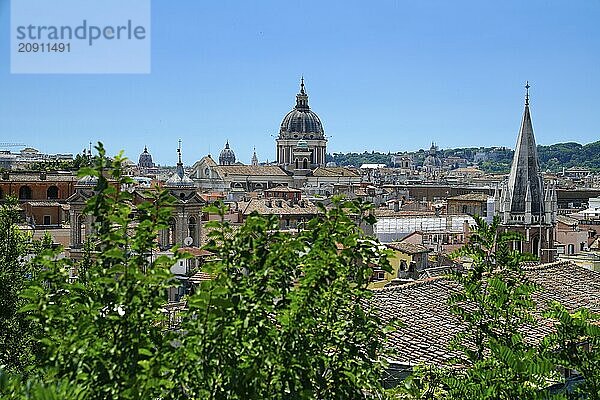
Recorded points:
(535, 246)
(52, 193)
(571, 249)
(171, 232)
(192, 229)
(47, 220)
(25, 193)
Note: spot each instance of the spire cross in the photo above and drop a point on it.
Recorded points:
(179, 151)
(302, 84)
(527, 86)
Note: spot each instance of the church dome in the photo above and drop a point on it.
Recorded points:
(179, 180)
(227, 156)
(145, 160)
(301, 122)
(432, 160)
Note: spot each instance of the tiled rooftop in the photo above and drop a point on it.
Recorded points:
(470, 197)
(428, 325)
(37, 177)
(250, 170)
(408, 248)
(278, 207)
(334, 171)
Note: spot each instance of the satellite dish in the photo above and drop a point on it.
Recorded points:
(188, 241)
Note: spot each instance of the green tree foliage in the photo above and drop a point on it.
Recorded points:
(103, 333)
(285, 316)
(554, 157)
(575, 345)
(495, 305)
(17, 344)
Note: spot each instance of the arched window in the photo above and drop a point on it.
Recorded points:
(52, 193)
(80, 230)
(171, 238)
(535, 249)
(25, 193)
(192, 229)
(401, 268)
(305, 163)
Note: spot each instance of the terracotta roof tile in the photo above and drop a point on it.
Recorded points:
(278, 207)
(408, 248)
(334, 171)
(250, 170)
(428, 325)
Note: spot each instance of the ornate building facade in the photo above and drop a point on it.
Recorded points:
(301, 144)
(185, 224)
(525, 204)
(301, 150)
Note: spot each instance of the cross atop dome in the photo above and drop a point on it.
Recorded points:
(180, 171)
(302, 97)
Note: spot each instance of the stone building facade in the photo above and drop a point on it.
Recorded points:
(301, 144)
(43, 196)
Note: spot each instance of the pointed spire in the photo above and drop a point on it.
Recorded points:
(525, 183)
(302, 97)
(145, 149)
(227, 144)
(180, 171)
(254, 157)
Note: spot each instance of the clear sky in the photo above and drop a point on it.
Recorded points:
(382, 75)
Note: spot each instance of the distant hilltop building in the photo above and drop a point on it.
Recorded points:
(525, 205)
(28, 156)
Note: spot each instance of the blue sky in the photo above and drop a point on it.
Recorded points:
(382, 75)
